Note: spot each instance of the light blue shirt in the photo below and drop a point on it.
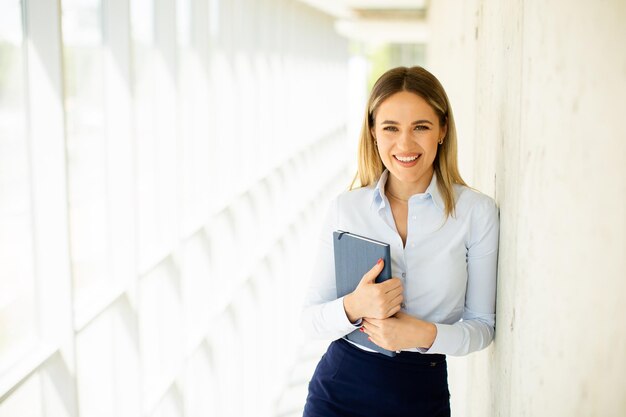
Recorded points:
(448, 271)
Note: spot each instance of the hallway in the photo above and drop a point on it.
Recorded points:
(164, 164)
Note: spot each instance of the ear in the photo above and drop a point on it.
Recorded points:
(445, 130)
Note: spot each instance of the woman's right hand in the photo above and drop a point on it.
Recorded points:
(372, 300)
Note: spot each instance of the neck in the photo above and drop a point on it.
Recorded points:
(403, 190)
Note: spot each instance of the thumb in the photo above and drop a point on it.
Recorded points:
(370, 276)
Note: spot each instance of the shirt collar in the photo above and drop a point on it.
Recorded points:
(432, 191)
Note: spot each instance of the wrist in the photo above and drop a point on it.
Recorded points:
(348, 306)
(430, 333)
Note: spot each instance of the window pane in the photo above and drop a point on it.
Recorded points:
(25, 401)
(171, 405)
(160, 319)
(17, 300)
(154, 112)
(193, 124)
(107, 365)
(195, 271)
(83, 60)
(95, 368)
(201, 386)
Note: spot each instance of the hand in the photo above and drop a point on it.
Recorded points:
(370, 299)
(401, 331)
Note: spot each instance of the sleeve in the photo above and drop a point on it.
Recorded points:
(476, 329)
(322, 315)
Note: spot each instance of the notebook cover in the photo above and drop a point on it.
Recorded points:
(354, 256)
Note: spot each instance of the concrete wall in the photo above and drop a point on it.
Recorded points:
(538, 89)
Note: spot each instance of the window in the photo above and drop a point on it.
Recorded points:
(154, 77)
(154, 173)
(18, 329)
(86, 147)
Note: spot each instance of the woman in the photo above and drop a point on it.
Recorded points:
(444, 246)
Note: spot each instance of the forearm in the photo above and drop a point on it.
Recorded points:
(326, 321)
(421, 333)
(426, 334)
(461, 338)
(401, 331)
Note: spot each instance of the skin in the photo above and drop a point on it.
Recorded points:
(405, 125)
(396, 134)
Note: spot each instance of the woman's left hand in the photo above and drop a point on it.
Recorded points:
(400, 331)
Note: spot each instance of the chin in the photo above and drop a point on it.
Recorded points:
(409, 175)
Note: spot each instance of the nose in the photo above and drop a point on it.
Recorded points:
(406, 138)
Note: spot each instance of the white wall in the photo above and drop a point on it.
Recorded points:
(538, 91)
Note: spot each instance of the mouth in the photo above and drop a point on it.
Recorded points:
(407, 160)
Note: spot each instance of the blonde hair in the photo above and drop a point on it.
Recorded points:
(421, 82)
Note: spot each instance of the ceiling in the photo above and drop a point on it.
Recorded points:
(378, 21)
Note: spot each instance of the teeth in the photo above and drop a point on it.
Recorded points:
(406, 159)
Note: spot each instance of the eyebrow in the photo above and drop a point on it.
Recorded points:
(392, 122)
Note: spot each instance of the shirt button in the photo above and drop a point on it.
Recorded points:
(404, 275)
(412, 245)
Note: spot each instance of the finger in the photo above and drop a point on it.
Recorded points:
(391, 284)
(370, 276)
(371, 331)
(392, 303)
(394, 310)
(394, 293)
(397, 300)
(375, 340)
(373, 322)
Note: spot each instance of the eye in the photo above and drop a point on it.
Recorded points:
(422, 127)
(390, 128)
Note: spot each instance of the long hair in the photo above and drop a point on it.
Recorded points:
(421, 82)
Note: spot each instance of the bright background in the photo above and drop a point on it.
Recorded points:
(164, 165)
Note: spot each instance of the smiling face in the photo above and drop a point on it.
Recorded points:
(407, 131)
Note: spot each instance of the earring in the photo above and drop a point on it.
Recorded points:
(441, 141)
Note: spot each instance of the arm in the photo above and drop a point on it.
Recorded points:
(323, 315)
(476, 330)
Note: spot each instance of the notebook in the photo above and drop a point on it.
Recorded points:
(354, 256)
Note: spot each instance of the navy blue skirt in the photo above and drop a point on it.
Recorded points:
(351, 382)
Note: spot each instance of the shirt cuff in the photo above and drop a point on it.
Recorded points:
(358, 323)
(449, 338)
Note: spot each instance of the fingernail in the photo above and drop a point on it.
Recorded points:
(379, 261)
(361, 329)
